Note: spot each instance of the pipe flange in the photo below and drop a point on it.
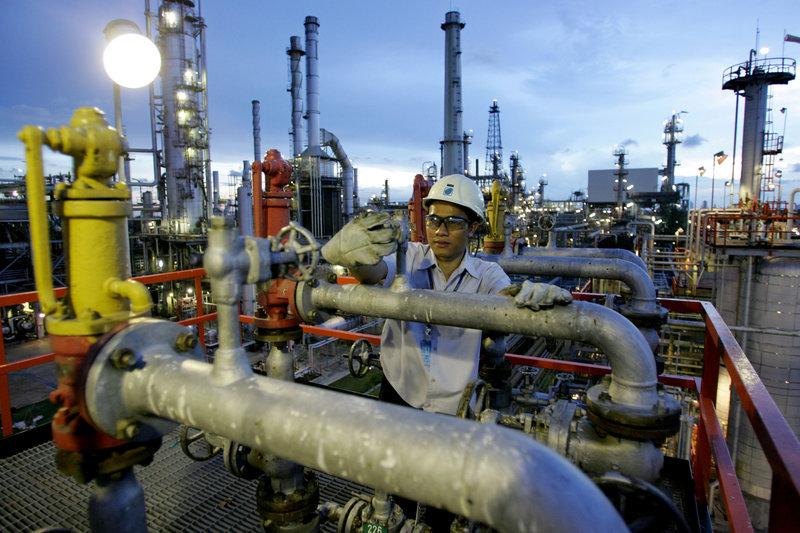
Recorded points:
(102, 399)
(301, 305)
(281, 508)
(633, 422)
(278, 335)
(235, 456)
(643, 318)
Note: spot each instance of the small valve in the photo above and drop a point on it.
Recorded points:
(190, 435)
(360, 358)
(297, 239)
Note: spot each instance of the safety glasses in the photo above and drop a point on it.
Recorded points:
(452, 223)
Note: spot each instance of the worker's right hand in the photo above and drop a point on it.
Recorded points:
(363, 241)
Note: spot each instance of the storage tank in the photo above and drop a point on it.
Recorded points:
(774, 304)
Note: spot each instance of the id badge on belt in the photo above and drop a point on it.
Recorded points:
(426, 346)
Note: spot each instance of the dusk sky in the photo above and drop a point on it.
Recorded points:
(573, 79)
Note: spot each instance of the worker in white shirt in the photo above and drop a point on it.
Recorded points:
(428, 366)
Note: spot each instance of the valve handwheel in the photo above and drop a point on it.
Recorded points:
(190, 435)
(476, 389)
(297, 239)
(358, 358)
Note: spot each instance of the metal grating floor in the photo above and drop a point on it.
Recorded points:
(180, 494)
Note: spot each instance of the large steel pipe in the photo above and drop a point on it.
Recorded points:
(495, 475)
(643, 299)
(609, 253)
(633, 378)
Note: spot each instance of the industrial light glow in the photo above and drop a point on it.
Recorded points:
(131, 60)
(764, 50)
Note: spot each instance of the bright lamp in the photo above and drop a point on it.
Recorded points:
(130, 59)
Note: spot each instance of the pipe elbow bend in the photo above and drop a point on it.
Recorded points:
(133, 291)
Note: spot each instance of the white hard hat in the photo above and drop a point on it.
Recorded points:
(459, 190)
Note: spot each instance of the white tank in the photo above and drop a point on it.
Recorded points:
(774, 304)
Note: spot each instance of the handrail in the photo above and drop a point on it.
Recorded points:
(779, 442)
(7, 300)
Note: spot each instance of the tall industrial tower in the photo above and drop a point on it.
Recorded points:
(494, 143)
(752, 79)
(295, 53)
(673, 129)
(620, 179)
(453, 141)
(184, 117)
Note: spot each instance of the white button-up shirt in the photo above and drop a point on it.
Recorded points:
(428, 365)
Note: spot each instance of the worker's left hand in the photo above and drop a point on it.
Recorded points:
(535, 296)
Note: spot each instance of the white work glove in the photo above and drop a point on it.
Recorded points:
(536, 296)
(362, 241)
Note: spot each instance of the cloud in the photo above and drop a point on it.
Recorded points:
(26, 113)
(796, 167)
(629, 142)
(694, 140)
(10, 158)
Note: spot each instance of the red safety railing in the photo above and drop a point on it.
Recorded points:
(765, 228)
(779, 442)
(8, 300)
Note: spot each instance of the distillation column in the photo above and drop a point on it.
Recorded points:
(453, 142)
(184, 124)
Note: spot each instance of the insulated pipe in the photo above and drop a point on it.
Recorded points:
(312, 84)
(329, 139)
(644, 292)
(295, 52)
(487, 473)
(610, 253)
(633, 370)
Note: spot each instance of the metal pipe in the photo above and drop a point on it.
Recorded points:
(460, 468)
(122, 168)
(610, 253)
(633, 376)
(644, 292)
(257, 155)
(295, 52)
(329, 139)
(312, 84)
(792, 213)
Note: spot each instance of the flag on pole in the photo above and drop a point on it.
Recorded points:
(791, 38)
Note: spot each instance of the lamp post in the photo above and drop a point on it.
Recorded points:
(131, 60)
(700, 171)
(718, 158)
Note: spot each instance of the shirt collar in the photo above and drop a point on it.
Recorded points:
(469, 263)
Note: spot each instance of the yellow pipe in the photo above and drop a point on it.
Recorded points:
(33, 138)
(133, 291)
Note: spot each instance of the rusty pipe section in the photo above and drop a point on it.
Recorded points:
(643, 299)
(633, 370)
(487, 473)
(608, 253)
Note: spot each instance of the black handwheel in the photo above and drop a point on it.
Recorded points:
(358, 358)
(190, 435)
(476, 389)
(644, 507)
